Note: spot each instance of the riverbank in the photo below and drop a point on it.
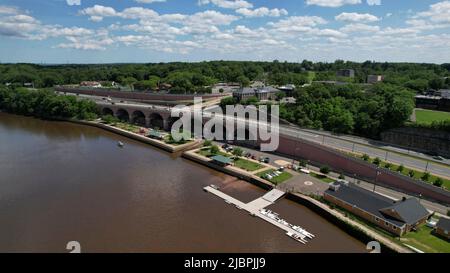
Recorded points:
(353, 228)
(232, 171)
(154, 142)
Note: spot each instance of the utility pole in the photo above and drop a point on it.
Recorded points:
(386, 156)
(426, 167)
(376, 179)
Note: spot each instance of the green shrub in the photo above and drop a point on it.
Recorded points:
(365, 157)
(411, 173)
(325, 170)
(425, 176)
(438, 182)
(207, 143)
(400, 168)
(214, 149)
(377, 161)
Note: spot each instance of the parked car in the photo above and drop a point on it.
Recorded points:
(438, 157)
(266, 160)
(281, 169)
(303, 170)
(254, 157)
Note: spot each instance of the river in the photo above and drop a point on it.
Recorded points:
(62, 182)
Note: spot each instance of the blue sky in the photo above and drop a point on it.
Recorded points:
(95, 31)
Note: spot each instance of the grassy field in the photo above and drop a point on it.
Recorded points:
(207, 152)
(322, 178)
(247, 165)
(276, 180)
(424, 240)
(428, 116)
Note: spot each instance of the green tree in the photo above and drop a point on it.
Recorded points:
(438, 182)
(214, 149)
(237, 152)
(425, 176)
(325, 170)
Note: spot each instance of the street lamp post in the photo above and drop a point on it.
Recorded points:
(376, 178)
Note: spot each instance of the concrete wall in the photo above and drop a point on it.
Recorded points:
(419, 139)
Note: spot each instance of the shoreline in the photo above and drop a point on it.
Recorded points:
(352, 228)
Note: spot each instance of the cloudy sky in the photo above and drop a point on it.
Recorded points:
(95, 31)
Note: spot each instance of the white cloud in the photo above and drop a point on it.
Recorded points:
(227, 4)
(8, 10)
(261, 12)
(361, 28)
(98, 12)
(332, 3)
(149, 1)
(373, 2)
(356, 17)
(73, 2)
(439, 12)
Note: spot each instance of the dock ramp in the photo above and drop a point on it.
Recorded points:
(273, 195)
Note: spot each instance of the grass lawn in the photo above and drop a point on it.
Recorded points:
(127, 127)
(424, 240)
(247, 165)
(275, 180)
(322, 178)
(207, 152)
(428, 116)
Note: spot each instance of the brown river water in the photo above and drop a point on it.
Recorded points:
(62, 182)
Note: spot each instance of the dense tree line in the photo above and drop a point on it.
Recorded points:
(45, 104)
(350, 108)
(193, 77)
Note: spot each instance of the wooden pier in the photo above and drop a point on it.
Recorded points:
(257, 208)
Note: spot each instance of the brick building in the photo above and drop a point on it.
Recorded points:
(397, 217)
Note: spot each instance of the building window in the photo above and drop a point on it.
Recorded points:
(394, 227)
(386, 223)
(376, 219)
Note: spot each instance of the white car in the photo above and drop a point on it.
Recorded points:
(305, 171)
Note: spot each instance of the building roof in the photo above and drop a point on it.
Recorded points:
(409, 211)
(405, 212)
(154, 133)
(443, 223)
(221, 159)
(245, 90)
(268, 89)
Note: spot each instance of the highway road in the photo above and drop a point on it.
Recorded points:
(413, 160)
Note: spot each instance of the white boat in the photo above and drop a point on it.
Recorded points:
(227, 201)
(303, 231)
(296, 237)
(120, 144)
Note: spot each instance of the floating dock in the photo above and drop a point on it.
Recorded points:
(257, 208)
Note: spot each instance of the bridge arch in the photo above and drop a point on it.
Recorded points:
(107, 111)
(138, 117)
(123, 115)
(156, 120)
